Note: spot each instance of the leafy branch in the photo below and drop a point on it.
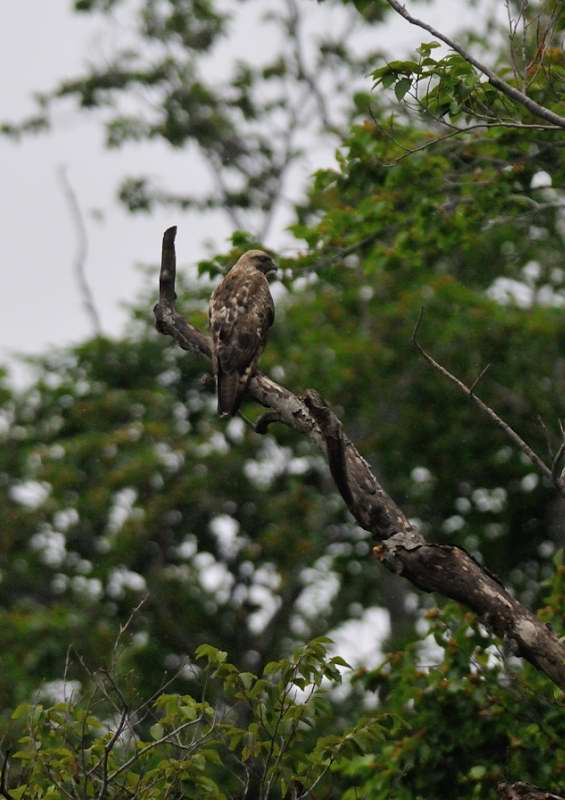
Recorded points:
(505, 88)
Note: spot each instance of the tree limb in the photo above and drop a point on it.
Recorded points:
(505, 88)
(445, 569)
(550, 473)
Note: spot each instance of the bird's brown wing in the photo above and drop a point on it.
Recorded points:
(241, 313)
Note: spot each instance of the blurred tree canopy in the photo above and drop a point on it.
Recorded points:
(117, 481)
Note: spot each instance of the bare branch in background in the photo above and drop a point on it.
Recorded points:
(81, 251)
(499, 83)
(302, 72)
(445, 569)
(470, 392)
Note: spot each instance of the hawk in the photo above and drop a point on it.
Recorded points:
(241, 313)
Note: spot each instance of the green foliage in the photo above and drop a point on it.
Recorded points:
(118, 483)
(455, 84)
(451, 88)
(264, 733)
(459, 727)
(133, 477)
(137, 492)
(469, 722)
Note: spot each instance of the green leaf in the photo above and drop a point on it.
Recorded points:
(211, 654)
(247, 679)
(340, 662)
(388, 79)
(21, 711)
(426, 47)
(478, 772)
(157, 731)
(401, 87)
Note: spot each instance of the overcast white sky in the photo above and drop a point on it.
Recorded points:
(41, 42)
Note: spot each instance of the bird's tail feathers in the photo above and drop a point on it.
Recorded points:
(229, 393)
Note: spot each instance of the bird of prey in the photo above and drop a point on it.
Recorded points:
(241, 313)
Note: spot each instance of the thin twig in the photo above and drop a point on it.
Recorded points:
(146, 703)
(556, 471)
(512, 35)
(523, 14)
(125, 626)
(469, 391)
(320, 777)
(109, 746)
(58, 785)
(140, 753)
(460, 131)
(478, 379)
(274, 734)
(547, 436)
(81, 252)
(338, 255)
(84, 774)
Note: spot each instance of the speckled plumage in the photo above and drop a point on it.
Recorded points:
(241, 312)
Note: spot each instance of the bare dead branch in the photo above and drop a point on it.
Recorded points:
(524, 791)
(186, 335)
(402, 549)
(505, 88)
(81, 252)
(332, 432)
(469, 391)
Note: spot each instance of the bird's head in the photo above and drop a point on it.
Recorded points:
(258, 259)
